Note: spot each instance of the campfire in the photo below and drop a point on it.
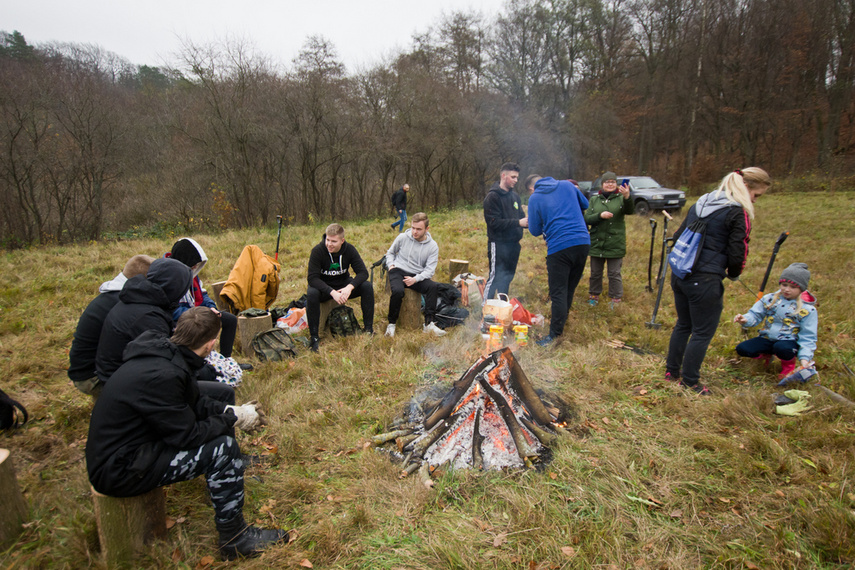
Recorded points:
(491, 418)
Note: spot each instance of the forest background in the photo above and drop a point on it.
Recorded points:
(94, 146)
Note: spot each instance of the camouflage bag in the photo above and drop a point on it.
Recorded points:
(274, 345)
(342, 321)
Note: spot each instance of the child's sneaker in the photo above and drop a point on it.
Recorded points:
(614, 303)
(593, 300)
(671, 378)
(390, 330)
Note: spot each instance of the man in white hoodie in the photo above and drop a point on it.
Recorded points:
(412, 262)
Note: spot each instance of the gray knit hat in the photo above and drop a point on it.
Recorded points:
(609, 175)
(796, 273)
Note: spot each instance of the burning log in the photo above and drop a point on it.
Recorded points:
(491, 418)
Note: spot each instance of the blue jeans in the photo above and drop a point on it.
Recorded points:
(783, 349)
(402, 219)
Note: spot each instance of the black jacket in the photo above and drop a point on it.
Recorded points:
(399, 199)
(725, 247)
(148, 411)
(503, 211)
(145, 304)
(84, 347)
(331, 271)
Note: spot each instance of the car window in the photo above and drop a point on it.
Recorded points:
(644, 183)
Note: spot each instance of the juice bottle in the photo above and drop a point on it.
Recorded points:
(521, 335)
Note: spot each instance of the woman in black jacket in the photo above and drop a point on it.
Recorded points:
(698, 297)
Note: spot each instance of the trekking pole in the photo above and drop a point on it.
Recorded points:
(278, 233)
(781, 239)
(653, 224)
(663, 270)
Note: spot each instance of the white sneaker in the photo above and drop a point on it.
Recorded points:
(432, 328)
(390, 330)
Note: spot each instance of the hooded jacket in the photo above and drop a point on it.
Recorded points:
(253, 281)
(84, 346)
(782, 320)
(725, 246)
(150, 410)
(608, 236)
(417, 258)
(399, 199)
(191, 254)
(555, 210)
(145, 303)
(331, 271)
(503, 211)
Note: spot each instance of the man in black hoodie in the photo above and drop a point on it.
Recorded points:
(151, 427)
(329, 278)
(505, 219)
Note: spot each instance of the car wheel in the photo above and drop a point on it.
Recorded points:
(642, 208)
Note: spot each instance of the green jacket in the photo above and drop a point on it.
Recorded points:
(608, 237)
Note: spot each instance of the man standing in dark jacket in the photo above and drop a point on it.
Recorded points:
(505, 219)
(84, 346)
(399, 202)
(329, 278)
(150, 428)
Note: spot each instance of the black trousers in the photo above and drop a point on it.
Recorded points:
(227, 335)
(564, 270)
(503, 258)
(314, 298)
(699, 301)
(427, 288)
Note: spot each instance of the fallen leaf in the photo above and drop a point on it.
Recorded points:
(177, 555)
(500, 539)
(305, 563)
(553, 475)
(568, 551)
(751, 566)
(676, 514)
(724, 499)
(170, 522)
(205, 561)
(606, 421)
(180, 520)
(780, 493)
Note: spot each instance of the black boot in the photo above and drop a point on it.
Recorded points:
(313, 344)
(239, 539)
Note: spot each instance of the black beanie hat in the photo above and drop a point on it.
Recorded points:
(797, 273)
(185, 252)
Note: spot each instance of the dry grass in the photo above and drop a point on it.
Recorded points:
(650, 478)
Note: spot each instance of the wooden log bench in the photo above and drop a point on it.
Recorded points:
(248, 327)
(127, 524)
(14, 510)
(410, 317)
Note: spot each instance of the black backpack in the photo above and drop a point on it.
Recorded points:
(274, 345)
(342, 321)
(9, 412)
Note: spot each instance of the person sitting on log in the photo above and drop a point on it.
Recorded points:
(151, 427)
(412, 260)
(84, 346)
(329, 278)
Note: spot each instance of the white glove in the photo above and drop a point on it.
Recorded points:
(248, 418)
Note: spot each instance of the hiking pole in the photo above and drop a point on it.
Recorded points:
(663, 270)
(781, 239)
(278, 233)
(653, 224)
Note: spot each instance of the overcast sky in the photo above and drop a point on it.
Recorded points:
(150, 31)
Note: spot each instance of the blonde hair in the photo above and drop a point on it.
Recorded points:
(777, 296)
(737, 185)
(335, 230)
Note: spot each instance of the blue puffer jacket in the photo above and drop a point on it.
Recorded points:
(782, 320)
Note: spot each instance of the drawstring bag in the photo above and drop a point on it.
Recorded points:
(228, 370)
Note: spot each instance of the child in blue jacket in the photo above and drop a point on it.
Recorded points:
(789, 322)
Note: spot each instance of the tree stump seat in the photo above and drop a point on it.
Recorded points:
(127, 524)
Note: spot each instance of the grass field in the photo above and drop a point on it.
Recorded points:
(650, 477)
